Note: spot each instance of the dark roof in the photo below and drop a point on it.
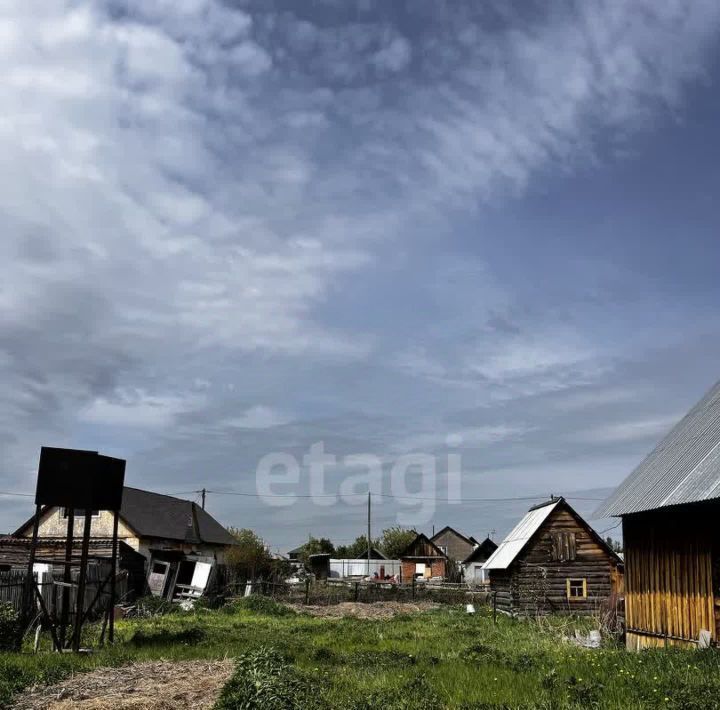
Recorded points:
(683, 468)
(157, 515)
(483, 550)
(420, 538)
(447, 528)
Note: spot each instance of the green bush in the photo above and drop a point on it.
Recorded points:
(264, 680)
(9, 626)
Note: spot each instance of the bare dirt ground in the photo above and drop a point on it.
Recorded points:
(376, 610)
(142, 686)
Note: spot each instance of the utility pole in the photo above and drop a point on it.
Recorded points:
(368, 534)
(203, 492)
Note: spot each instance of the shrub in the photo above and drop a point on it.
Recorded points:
(9, 626)
(264, 680)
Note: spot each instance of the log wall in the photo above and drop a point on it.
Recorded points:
(669, 590)
(536, 582)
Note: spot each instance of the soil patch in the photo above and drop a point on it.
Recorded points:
(376, 610)
(158, 685)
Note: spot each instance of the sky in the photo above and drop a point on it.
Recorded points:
(240, 229)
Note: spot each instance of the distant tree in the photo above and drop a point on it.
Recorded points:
(614, 545)
(356, 550)
(250, 558)
(394, 540)
(316, 546)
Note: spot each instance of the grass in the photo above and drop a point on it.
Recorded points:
(438, 659)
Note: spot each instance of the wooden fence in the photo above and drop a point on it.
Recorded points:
(330, 592)
(97, 592)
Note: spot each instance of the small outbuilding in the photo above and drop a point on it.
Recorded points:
(670, 507)
(553, 562)
(473, 564)
(422, 559)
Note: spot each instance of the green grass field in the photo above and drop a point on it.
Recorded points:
(438, 659)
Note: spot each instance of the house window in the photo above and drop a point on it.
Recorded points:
(563, 545)
(576, 588)
(80, 513)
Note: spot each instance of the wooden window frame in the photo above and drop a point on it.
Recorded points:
(569, 585)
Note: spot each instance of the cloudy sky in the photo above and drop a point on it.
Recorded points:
(236, 228)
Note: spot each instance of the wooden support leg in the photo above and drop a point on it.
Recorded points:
(82, 577)
(67, 577)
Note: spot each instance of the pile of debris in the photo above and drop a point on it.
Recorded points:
(376, 610)
(159, 685)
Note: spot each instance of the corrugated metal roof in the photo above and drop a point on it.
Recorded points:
(513, 544)
(683, 468)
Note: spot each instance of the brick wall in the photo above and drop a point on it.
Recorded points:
(408, 568)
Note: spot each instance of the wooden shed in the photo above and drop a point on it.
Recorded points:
(553, 562)
(670, 507)
(422, 559)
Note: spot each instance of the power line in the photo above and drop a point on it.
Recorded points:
(198, 492)
(618, 524)
(390, 495)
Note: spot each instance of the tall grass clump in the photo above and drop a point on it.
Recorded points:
(264, 680)
(259, 605)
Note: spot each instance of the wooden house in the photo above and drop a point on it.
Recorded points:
(178, 540)
(422, 559)
(473, 565)
(670, 507)
(552, 562)
(454, 544)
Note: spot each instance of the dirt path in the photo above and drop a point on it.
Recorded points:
(160, 685)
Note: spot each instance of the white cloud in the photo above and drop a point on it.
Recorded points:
(258, 417)
(137, 408)
(186, 185)
(395, 56)
(631, 430)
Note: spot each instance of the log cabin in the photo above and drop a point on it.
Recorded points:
(553, 562)
(669, 506)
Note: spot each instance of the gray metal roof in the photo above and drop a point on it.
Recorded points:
(513, 544)
(683, 468)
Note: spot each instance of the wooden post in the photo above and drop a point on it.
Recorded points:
(368, 536)
(82, 577)
(307, 591)
(28, 590)
(113, 573)
(494, 596)
(67, 576)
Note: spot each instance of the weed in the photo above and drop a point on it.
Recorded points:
(264, 680)
(259, 605)
(165, 637)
